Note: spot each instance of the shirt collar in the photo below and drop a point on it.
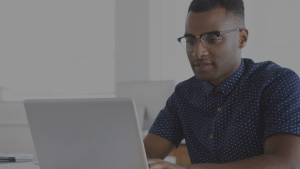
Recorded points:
(207, 87)
(229, 84)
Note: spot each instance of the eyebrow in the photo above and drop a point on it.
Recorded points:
(188, 34)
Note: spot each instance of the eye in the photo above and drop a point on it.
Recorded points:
(211, 38)
(189, 41)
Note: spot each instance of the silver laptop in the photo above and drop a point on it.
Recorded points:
(86, 133)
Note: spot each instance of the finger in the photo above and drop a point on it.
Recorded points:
(156, 166)
(154, 160)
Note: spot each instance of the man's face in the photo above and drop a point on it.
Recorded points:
(223, 59)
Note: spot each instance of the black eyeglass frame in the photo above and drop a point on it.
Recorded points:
(218, 33)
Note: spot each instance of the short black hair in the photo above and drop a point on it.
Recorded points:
(234, 7)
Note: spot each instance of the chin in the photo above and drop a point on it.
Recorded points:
(204, 78)
(205, 75)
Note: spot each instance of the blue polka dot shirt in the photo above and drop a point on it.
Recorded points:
(231, 121)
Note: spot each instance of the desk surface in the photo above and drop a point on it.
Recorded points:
(181, 154)
(28, 165)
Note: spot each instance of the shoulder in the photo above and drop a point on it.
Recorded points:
(271, 81)
(267, 72)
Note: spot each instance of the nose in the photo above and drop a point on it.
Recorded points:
(200, 50)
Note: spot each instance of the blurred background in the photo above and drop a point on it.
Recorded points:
(115, 48)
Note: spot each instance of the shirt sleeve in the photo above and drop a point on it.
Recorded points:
(282, 105)
(167, 124)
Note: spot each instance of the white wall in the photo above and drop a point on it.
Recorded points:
(52, 49)
(273, 35)
(274, 32)
(168, 59)
(56, 48)
(132, 45)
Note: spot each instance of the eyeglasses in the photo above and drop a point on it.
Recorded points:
(209, 40)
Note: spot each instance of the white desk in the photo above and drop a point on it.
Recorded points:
(28, 165)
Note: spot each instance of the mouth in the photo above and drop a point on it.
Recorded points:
(202, 66)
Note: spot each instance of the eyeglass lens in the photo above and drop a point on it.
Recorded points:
(208, 40)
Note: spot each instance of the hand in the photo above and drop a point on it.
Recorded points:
(155, 163)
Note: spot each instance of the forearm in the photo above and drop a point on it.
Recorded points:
(259, 162)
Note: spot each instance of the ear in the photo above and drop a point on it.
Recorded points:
(243, 38)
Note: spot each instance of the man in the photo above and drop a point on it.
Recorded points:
(233, 113)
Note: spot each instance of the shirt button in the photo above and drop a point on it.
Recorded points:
(212, 93)
(217, 89)
(219, 109)
(211, 136)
